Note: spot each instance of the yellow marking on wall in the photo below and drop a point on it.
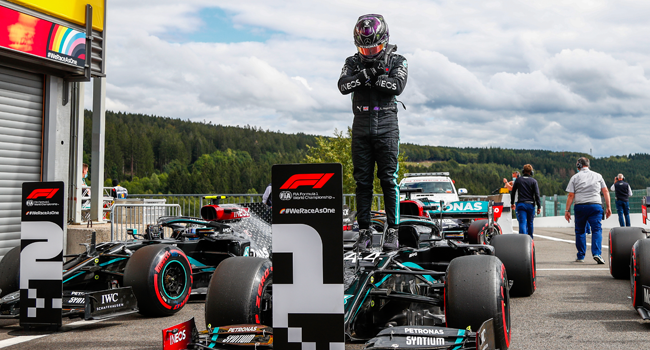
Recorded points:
(68, 10)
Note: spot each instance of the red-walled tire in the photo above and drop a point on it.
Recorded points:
(479, 232)
(517, 252)
(240, 293)
(161, 278)
(621, 240)
(476, 290)
(639, 270)
(474, 232)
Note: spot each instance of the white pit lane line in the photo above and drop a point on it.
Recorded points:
(563, 240)
(25, 338)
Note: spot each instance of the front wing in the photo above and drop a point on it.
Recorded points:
(429, 337)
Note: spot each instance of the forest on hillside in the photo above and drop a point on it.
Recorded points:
(151, 154)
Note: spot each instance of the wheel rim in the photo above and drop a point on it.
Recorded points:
(174, 278)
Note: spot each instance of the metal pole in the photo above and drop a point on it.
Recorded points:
(555, 205)
(543, 206)
(98, 145)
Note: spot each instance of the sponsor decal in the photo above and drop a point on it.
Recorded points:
(306, 196)
(285, 195)
(413, 254)
(424, 341)
(77, 300)
(42, 38)
(239, 339)
(313, 180)
(423, 331)
(646, 295)
(178, 337)
(43, 192)
(351, 85)
(42, 213)
(242, 329)
(307, 211)
(386, 84)
(365, 108)
(405, 64)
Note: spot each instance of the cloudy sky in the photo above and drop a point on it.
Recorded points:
(557, 75)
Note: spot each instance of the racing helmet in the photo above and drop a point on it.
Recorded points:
(371, 36)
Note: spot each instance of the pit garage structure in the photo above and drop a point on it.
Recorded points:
(48, 50)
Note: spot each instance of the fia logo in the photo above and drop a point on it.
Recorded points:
(285, 195)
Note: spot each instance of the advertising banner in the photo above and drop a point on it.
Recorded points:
(308, 256)
(41, 254)
(38, 37)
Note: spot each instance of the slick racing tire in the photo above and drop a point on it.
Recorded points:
(240, 293)
(621, 240)
(9, 272)
(639, 270)
(479, 232)
(476, 290)
(161, 278)
(517, 252)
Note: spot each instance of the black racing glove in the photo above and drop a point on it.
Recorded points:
(369, 74)
(379, 66)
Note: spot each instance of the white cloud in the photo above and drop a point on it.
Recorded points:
(555, 75)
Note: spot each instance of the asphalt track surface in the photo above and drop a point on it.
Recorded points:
(576, 306)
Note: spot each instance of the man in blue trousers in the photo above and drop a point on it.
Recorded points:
(623, 194)
(528, 191)
(585, 188)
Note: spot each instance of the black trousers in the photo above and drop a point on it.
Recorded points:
(366, 151)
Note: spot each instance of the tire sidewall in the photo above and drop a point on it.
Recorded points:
(168, 259)
(462, 304)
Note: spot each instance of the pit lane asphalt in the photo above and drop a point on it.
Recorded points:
(576, 306)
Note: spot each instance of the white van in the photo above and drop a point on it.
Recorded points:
(435, 187)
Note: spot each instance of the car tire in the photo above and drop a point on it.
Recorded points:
(639, 270)
(161, 278)
(10, 272)
(474, 231)
(479, 232)
(476, 290)
(621, 240)
(239, 293)
(517, 252)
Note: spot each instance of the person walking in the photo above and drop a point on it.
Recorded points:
(584, 189)
(375, 75)
(528, 191)
(623, 192)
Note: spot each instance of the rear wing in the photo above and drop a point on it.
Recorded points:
(466, 210)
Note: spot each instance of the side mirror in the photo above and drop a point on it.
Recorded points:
(462, 191)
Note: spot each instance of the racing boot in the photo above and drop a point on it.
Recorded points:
(364, 241)
(390, 241)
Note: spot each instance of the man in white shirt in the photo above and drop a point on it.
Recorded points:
(585, 188)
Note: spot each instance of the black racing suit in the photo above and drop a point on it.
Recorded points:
(375, 132)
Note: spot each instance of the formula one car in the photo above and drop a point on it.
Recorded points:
(159, 269)
(629, 257)
(432, 284)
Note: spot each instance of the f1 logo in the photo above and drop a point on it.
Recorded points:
(43, 192)
(314, 180)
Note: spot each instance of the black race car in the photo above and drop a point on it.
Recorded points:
(432, 290)
(629, 258)
(160, 268)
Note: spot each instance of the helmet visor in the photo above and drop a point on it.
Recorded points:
(371, 51)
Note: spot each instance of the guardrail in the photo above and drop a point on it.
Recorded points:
(138, 216)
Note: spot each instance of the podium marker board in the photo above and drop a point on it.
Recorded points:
(41, 254)
(308, 257)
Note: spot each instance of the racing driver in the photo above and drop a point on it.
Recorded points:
(375, 76)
